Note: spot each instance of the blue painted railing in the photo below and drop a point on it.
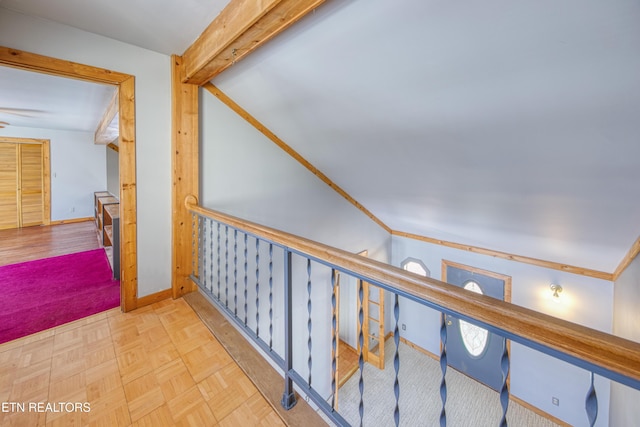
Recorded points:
(292, 262)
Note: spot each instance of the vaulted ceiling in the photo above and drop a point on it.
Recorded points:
(507, 125)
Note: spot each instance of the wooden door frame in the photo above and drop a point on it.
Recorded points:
(46, 171)
(127, 159)
(503, 277)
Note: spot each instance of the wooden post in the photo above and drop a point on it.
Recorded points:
(128, 205)
(185, 161)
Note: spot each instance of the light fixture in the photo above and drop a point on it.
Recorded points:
(556, 289)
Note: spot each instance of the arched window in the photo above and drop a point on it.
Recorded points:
(474, 337)
(415, 266)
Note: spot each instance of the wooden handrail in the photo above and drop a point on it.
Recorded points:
(614, 355)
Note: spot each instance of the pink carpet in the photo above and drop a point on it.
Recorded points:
(41, 294)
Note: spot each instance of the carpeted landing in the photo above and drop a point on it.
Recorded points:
(469, 403)
(42, 294)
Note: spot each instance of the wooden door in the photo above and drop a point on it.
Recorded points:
(8, 186)
(30, 185)
(23, 184)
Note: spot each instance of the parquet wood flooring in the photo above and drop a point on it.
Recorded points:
(263, 376)
(31, 243)
(155, 366)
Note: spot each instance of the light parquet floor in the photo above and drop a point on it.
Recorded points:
(156, 366)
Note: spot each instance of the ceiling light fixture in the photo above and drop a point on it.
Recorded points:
(556, 289)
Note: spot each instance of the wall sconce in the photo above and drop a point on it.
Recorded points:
(556, 289)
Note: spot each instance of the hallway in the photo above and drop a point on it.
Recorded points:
(31, 243)
(155, 366)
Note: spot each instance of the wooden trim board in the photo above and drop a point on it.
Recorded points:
(154, 298)
(506, 279)
(418, 348)
(628, 258)
(58, 67)
(290, 151)
(72, 220)
(511, 257)
(538, 411)
(128, 198)
(127, 162)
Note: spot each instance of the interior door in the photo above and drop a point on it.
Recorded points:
(22, 185)
(8, 186)
(31, 185)
(471, 349)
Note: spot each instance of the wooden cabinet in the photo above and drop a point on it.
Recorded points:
(111, 235)
(97, 213)
(101, 199)
(107, 217)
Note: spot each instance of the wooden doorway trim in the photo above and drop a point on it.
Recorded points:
(127, 158)
(46, 172)
(503, 277)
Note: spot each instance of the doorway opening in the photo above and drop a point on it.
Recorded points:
(126, 163)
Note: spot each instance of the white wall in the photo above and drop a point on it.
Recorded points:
(535, 377)
(113, 172)
(247, 175)
(153, 125)
(625, 410)
(77, 169)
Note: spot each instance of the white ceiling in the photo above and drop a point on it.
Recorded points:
(165, 26)
(34, 100)
(508, 125)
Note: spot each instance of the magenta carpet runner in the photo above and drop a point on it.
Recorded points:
(41, 294)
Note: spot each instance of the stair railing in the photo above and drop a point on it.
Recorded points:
(267, 281)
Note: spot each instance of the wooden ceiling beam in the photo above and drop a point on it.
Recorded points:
(107, 129)
(240, 28)
(57, 67)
